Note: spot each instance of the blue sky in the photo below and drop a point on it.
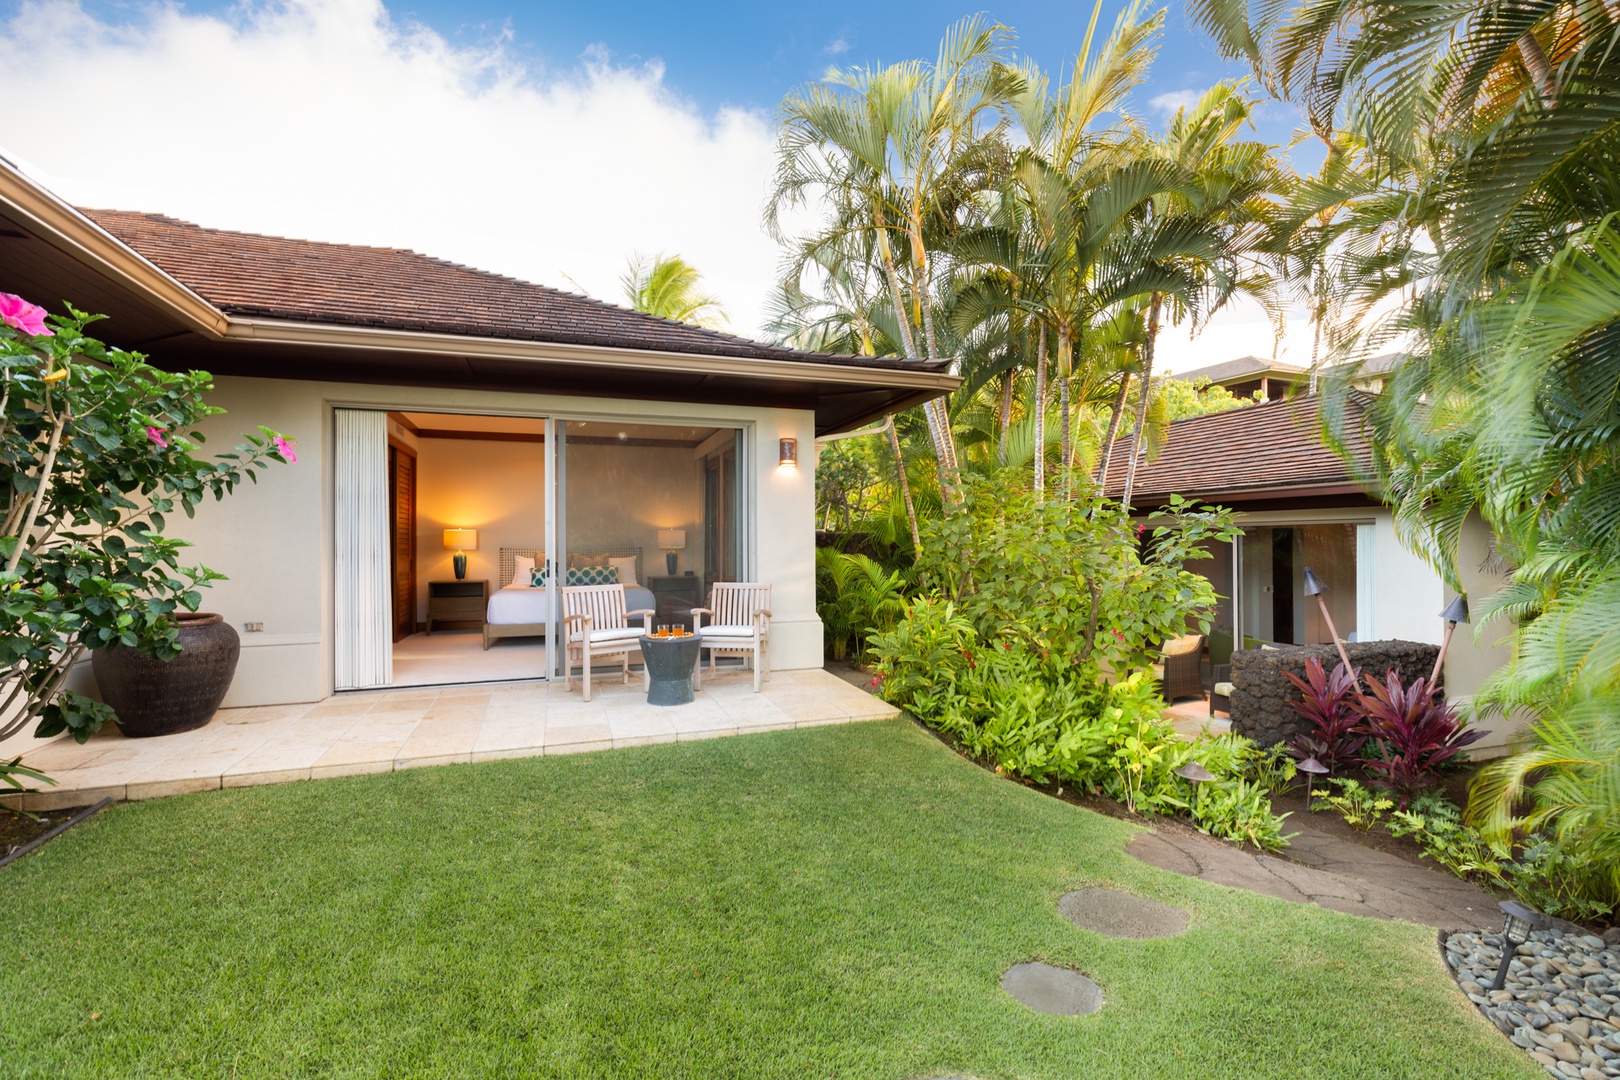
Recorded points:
(546, 141)
(749, 54)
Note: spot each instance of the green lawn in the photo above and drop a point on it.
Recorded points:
(838, 902)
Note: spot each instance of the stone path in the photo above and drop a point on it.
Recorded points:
(1121, 915)
(1341, 875)
(1052, 990)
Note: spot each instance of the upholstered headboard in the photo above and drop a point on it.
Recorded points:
(509, 557)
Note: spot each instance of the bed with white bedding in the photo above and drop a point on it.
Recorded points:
(517, 609)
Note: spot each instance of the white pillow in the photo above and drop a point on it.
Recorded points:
(626, 568)
(525, 565)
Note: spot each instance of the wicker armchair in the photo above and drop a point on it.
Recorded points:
(1178, 671)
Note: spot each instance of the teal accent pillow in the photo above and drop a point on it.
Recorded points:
(594, 575)
(537, 578)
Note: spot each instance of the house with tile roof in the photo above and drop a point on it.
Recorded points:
(1250, 375)
(466, 442)
(1300, 504)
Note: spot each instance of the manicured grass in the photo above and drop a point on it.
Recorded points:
(838, 902)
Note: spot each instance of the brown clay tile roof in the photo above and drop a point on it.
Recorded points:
(394, 288)
(1270, 448)
(1228, 370)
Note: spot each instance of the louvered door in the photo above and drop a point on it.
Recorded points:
(402, 512)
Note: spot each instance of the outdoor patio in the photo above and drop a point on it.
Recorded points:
(379, 731)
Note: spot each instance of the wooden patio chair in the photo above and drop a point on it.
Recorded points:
(739, 625)
(596, 624)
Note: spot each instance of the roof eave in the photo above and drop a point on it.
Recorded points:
(65, 228)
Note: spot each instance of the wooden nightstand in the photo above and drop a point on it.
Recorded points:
(676, 597)
(457, 601)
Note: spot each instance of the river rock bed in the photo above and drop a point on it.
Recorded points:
(1561, 1000)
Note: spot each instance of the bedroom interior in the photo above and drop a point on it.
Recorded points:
(655, 508)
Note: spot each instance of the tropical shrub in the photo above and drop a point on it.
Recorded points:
(855, 596)
(1436, 824)
(1413, 731)
(96, 450)
(1360, 808)
(1329, 703)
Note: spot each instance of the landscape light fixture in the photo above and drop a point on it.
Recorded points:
(1517, 924)
(1312, 769)
(460, 541)
(1315, 586)
(1456, 612)
(1195, 772)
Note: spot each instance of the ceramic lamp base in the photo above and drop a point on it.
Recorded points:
(669, 561)
(460, 562)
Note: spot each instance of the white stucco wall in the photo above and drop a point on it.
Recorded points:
(273, 539)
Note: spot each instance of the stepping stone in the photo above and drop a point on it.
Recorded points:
(1121, 915)
(1053, 990)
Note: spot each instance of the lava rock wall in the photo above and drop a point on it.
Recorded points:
(1261, 692)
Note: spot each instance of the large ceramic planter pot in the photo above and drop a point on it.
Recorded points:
(161, 697)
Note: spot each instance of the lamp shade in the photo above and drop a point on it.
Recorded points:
(1456, 611)
(672, 539)
(461, 539)
(1314, 586)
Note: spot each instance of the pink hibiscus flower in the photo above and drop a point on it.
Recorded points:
(156, 435)
(284, 447)
(19, 313)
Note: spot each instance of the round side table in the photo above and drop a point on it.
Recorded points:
(670, 661)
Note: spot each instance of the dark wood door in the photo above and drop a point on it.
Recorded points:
(402, 514)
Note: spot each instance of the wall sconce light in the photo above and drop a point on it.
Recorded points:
(788, 453)
(460, 541)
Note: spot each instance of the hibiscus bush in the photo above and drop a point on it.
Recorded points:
(97, 449)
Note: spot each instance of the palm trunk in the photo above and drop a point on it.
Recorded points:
(942, 411)
(1040, 414)
(1147, 392)
(938, 431)
(1113, 428)
(1066, 421)
(905, 485)
(1006, 412)
(1539, 69)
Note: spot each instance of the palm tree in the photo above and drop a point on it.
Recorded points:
(671, 288)
(884, 150)
(1482, 190)
(1230, 195)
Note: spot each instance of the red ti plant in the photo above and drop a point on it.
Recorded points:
(1329, 704)
(1415, 732)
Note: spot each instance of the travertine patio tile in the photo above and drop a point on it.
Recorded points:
(406, 703)
(464, 698)
(641, 729)
(555, 749)
(350, 768)
(339, 706)
(37, 801)
(404, 762)
(267, 776)
(157, 789)
(566, 734)
(190, 767)
(802, 706)
(507, 754)
(67, 754)
(465, 713)
(574, 714)
(277, 759)
(267, 714)
(440, 740)
(357, 753)
(507, 736)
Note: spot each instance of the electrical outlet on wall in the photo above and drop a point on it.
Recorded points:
(253, 627)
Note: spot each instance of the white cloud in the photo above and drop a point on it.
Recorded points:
(836, 47)
(327, 119)
(1168, 103)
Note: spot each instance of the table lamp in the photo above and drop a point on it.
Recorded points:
(671, 540)
(460, 541)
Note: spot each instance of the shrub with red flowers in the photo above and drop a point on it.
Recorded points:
(96, 450)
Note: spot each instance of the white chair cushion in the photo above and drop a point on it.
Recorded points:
(1224, 689)
(621, 633)
(726, 631)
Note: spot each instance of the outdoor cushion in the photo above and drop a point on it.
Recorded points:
(726, 631)
(1186, 643)
(618, 633)
(1223, 689)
